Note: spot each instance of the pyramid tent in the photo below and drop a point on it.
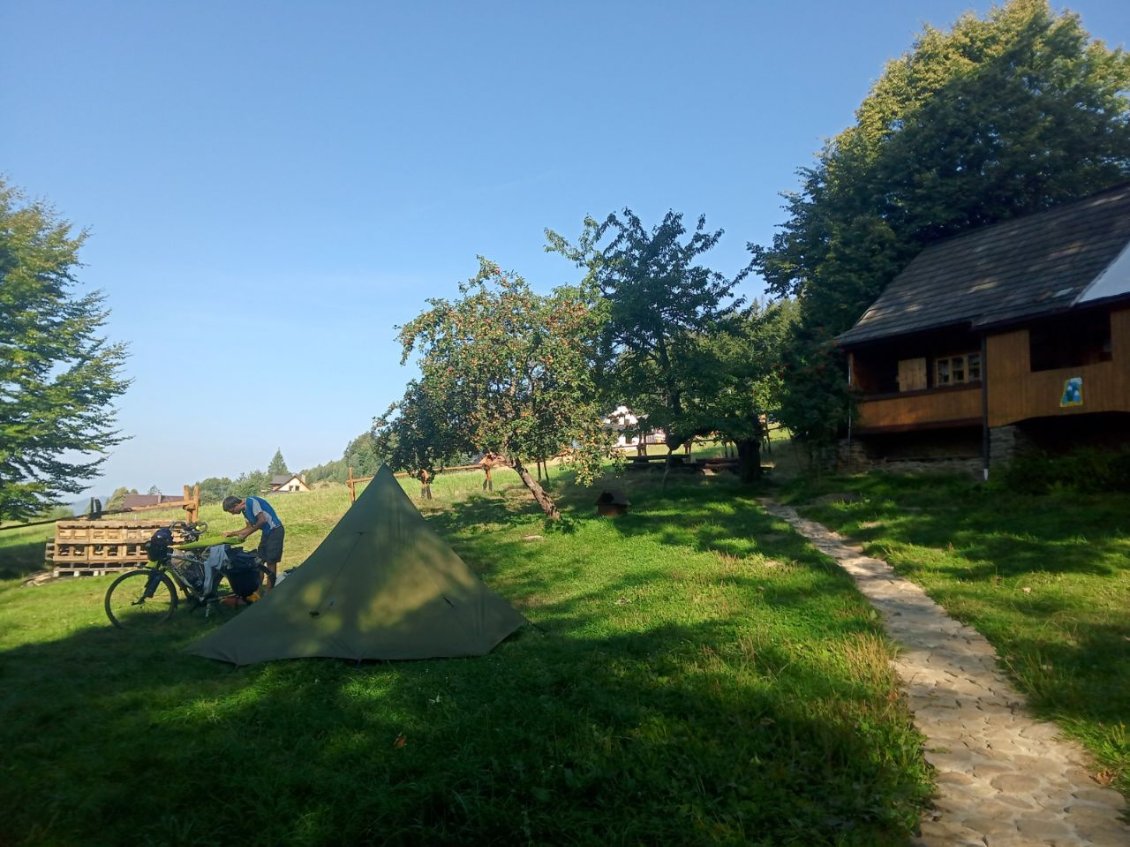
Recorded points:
(381, 585)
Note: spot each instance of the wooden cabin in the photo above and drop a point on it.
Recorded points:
(1013, 335)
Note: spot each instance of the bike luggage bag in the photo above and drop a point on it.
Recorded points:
(243, 572)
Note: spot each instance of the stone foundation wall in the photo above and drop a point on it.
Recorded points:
(959, 451)
(854, 458)
(860, 456)
(1006, 443)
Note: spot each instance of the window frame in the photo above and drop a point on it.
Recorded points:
(948, 369)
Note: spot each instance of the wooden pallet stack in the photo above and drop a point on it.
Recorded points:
(92, 548)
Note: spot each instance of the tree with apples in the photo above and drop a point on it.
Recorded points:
(504, 370)
(419, 434)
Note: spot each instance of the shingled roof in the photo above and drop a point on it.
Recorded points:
(1019, 269)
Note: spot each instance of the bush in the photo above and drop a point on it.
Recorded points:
(1086, 469)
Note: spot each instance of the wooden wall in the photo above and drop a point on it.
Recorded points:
(1015, 393)
(950, 405)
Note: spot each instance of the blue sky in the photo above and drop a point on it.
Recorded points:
(271, 187)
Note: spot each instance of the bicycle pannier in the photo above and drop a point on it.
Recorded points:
(159, 544)
(243, 572)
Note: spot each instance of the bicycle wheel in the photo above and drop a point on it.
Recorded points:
(140, 599)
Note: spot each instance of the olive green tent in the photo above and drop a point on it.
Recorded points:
(382, 585)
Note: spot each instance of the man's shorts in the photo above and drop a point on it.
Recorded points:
(271, 547)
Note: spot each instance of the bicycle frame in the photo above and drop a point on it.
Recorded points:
(152, 593)
(181, 579)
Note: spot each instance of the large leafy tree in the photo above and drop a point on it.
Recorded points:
(658, 301)
(214, 489)
(58, 375)
(998, 117)
(361, 456)
(250, 483)
(505, 370)
(118, 499)
(421, 433)
(740, 379)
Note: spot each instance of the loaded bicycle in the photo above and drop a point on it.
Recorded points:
(182, 565)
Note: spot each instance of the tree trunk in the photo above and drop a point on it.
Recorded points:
(749, 459)
(543, 499)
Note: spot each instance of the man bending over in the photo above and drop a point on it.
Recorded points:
(260, 517)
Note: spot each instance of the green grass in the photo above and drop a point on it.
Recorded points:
(21, 549)
(694, 674)
(1045, 578)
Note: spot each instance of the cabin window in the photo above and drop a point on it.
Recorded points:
(957, 370)
(1069, 342)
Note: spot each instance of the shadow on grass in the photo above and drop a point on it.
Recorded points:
(1042, 577)
(707, 514)
(718, 514)
(726, 730)
(626, 740)
(1068, 533)
(22, 560)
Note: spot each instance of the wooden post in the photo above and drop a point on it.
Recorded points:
(191, 503)
(486, 463)
(352, 483)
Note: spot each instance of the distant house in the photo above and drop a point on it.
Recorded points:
(1012, 335)
(149, 501)
(629, 429)
(288, 482)
(625, 425)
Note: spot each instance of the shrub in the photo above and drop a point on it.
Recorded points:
(1085, 469)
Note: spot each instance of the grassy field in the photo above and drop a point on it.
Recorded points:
(1045, 578)
(21, 549)
(693, 674)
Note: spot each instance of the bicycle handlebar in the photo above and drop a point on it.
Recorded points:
(191, 531)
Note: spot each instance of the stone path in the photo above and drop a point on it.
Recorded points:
(1003, 777)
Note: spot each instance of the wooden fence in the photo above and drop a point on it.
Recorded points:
(352, 480)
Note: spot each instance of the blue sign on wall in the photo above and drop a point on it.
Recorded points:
(1072, 392)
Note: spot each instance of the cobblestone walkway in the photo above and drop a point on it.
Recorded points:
(1003, 777)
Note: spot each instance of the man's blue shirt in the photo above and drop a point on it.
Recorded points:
(254, 506)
